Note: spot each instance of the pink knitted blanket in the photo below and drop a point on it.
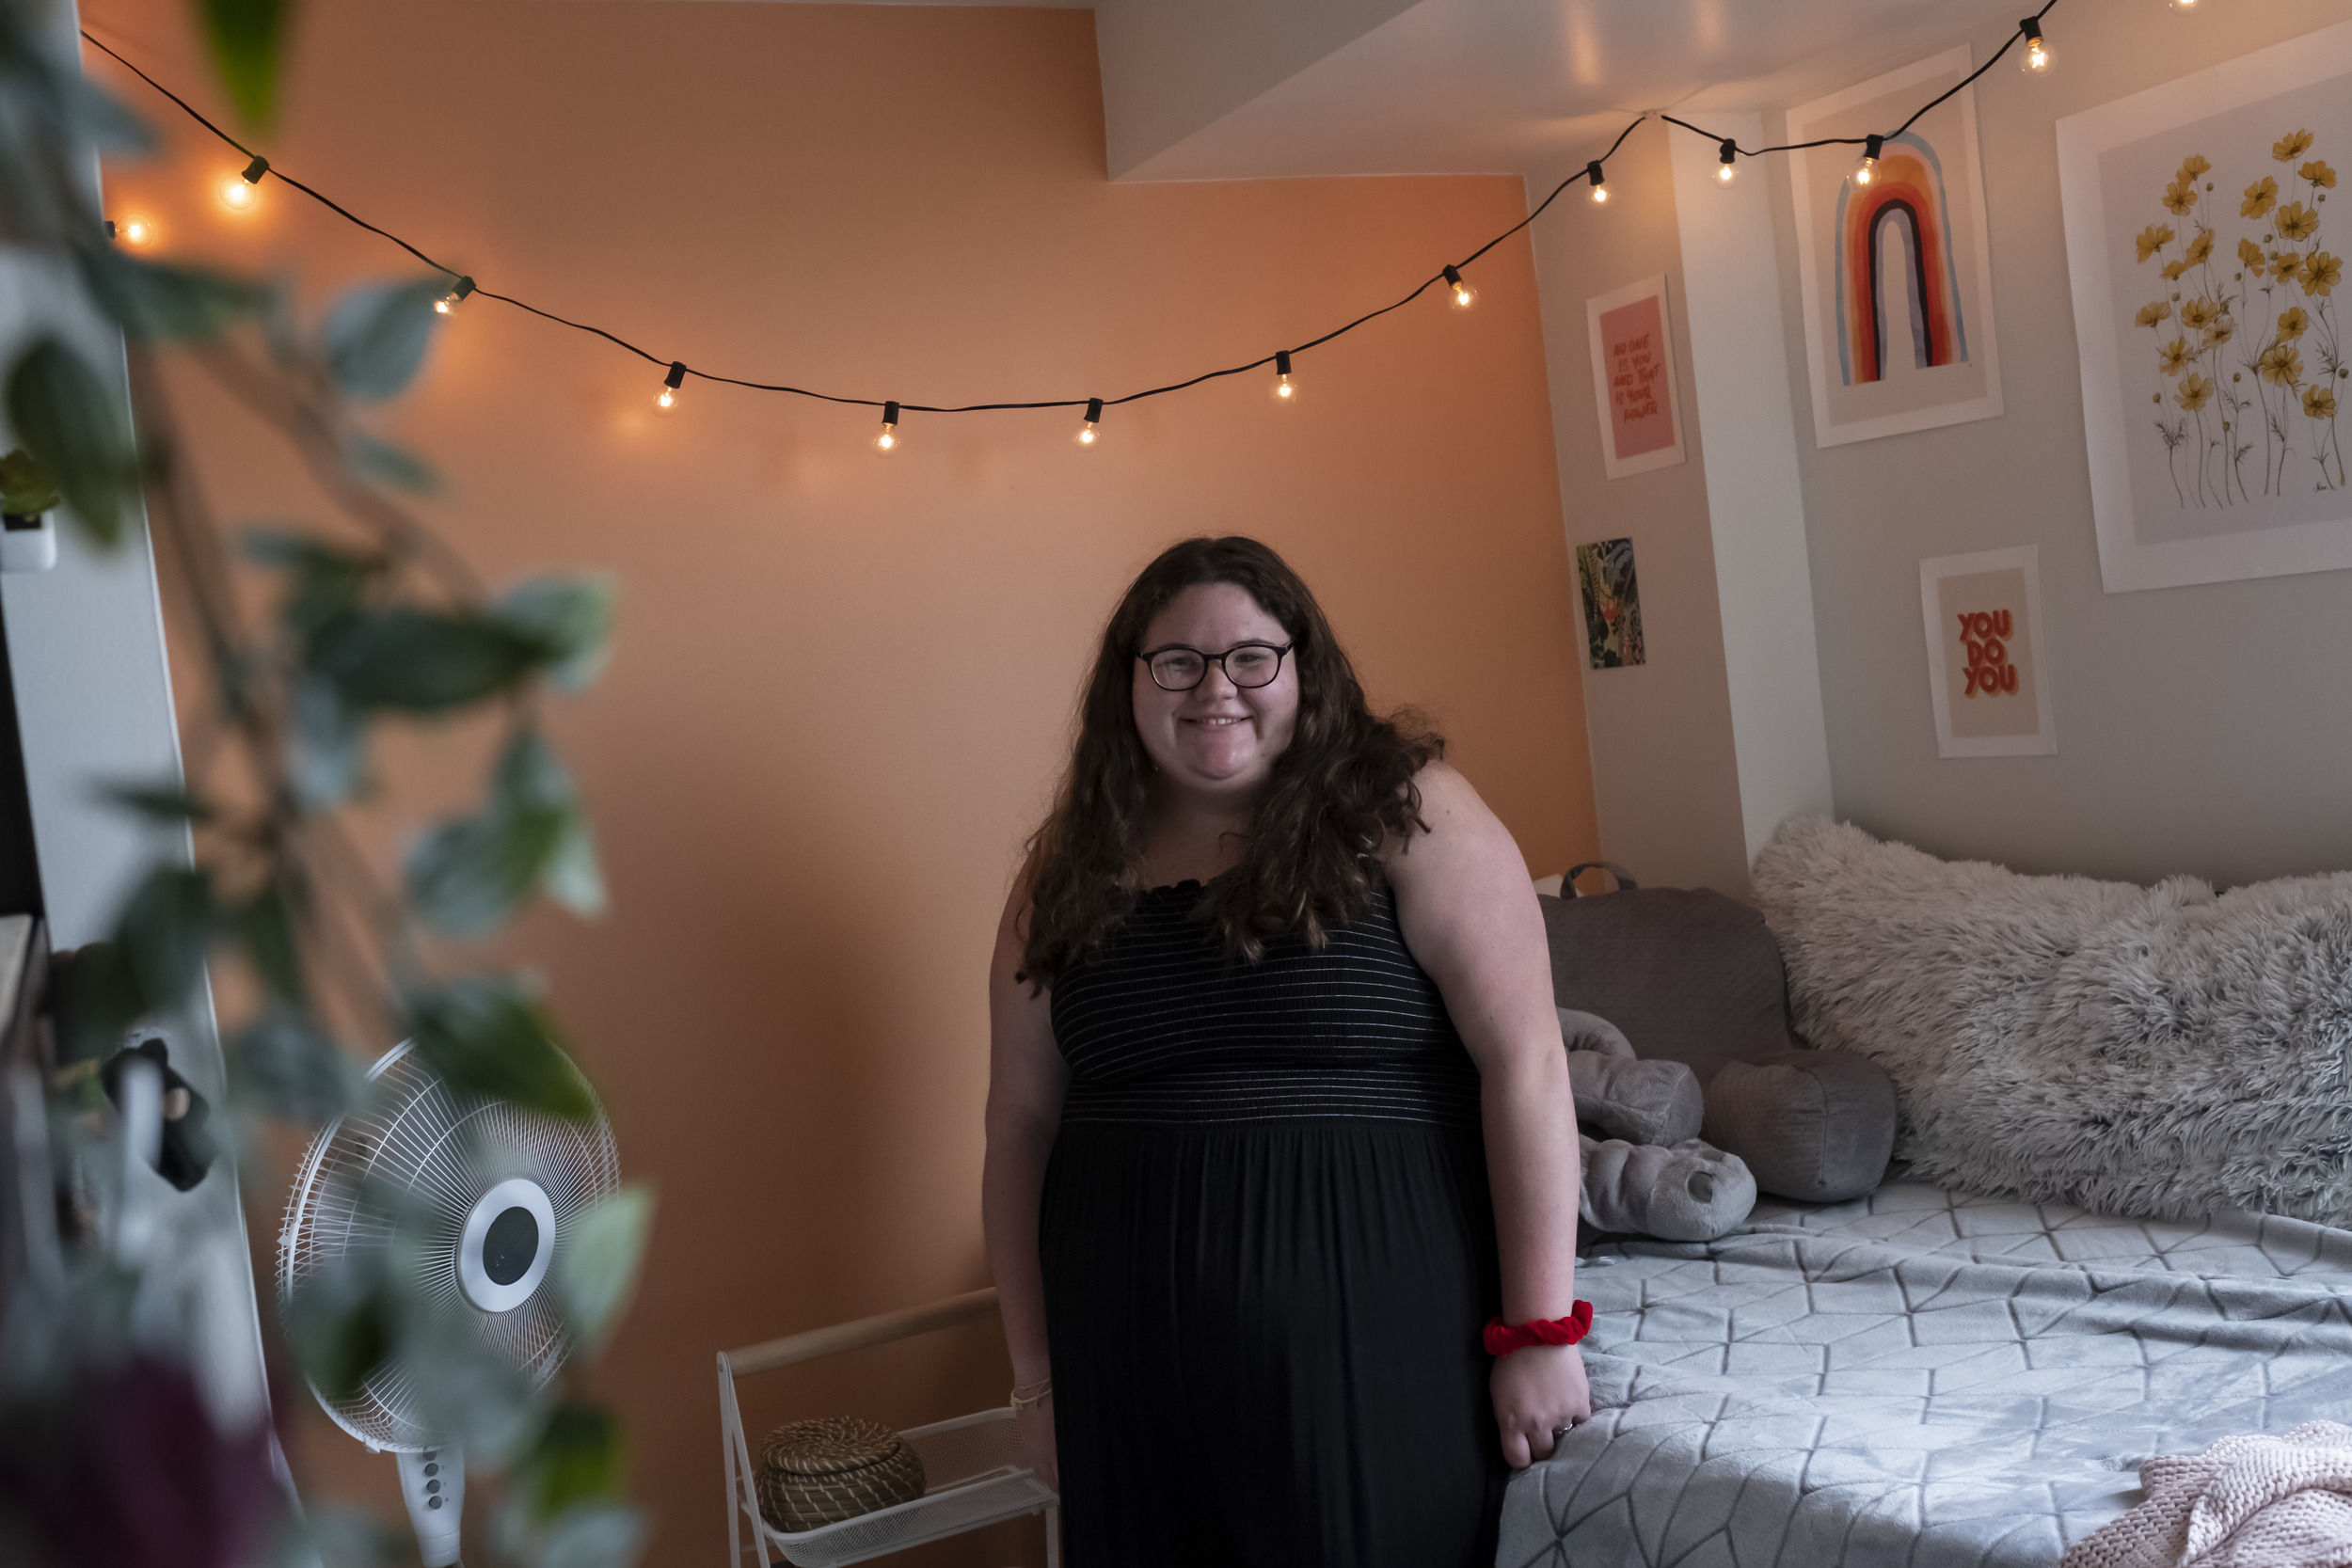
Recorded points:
(2246, 1502)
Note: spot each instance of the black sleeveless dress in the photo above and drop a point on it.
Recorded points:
(1268, 1250)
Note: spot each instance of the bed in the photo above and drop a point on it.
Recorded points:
(1923, 1379)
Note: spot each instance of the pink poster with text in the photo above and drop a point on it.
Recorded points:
(1641, 401)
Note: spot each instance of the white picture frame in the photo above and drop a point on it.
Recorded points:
(2007, 580)
(1629, 379)
(2151, 533)
(1954, 374)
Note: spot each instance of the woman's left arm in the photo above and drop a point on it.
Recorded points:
(1468, 913)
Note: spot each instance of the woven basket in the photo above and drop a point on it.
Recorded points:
(836, 1467)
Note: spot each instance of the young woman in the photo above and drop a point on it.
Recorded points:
(1278, 1117)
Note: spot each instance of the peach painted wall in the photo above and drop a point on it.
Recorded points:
(843, 685)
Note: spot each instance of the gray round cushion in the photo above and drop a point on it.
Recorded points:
(1818, 1126)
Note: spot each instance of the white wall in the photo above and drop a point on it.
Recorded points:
(1741, 394)
(2203, 729)
(1665, 776)
(93, 703)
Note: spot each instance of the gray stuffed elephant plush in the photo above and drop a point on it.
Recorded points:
(1648, 1172)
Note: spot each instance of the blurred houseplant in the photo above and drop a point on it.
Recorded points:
(107, 1455)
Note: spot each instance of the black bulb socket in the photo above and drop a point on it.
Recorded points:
(677, 378)
(1593, 175)
(464, 286)
(1281, 361)
(1094, 410)
(890, 413)
(1729, 150)
(1870, 146)
(2032, 27)
(1453, 274)
(254, 171)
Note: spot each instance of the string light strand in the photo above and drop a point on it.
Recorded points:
(464, 287)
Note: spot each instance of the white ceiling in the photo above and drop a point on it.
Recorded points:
(1514, 86)
(1227, 89)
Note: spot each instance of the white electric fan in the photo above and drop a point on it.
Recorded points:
(495, 1188)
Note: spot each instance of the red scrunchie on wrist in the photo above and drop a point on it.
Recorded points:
(1503, 1338)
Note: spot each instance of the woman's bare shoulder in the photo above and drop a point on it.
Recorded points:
(1457, 827)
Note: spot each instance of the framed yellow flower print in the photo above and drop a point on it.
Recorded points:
(2205, 245)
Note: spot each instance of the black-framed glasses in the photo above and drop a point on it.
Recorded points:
(1180, 668)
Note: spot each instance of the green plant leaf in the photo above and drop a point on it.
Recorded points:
(596, 1274)
(98, 118)
(424, 661)
(532, 781)
(390, 465)
(164, 803)
(339, 1535)
(324, 585)
(161, 301)
(576, 1460)
(73, 428)
(264, 930)
(26, 488)
(342, 1324)
(377, 336)
(166, 931)
(98, 998)
(489, 1034)
(468, 875)
(572, 616)
(591, 1535)
(571, 875)
(285, 1064)
(249, 40)
(327, 760)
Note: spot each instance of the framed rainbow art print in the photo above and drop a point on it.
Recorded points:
(1897, 273)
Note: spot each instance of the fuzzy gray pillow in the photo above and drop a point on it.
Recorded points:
(2157, 1053)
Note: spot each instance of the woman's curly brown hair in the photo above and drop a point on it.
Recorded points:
(1340, 789)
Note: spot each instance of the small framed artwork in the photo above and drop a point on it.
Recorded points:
(1633, 379)
(2211, 311)
(1612, 604)
(1896, 270)
(1988, 671)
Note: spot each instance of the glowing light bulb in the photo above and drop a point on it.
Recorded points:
(1592, 177)
(1089, 432)
(1866, 171)
(2037, 58)
(459, 291)
(1285, 389)
(665, 401)
(887, 442)
(1728, 169)
(1463, 296)
(136, 230)
(2184, 4)
(238, 193)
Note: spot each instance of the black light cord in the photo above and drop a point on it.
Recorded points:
(677, 370)
(2015, 32)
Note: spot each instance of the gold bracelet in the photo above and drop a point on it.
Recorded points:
(1043, 1390)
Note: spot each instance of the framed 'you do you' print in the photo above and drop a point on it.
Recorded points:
(1987, 672)
(2207, 230)
(1898, 279)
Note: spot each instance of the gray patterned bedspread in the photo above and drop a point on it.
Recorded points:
(1922, 1378)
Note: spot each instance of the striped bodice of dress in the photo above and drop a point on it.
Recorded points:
(1164, 1028)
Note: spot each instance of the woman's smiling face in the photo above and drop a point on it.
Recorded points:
(1217, 739)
